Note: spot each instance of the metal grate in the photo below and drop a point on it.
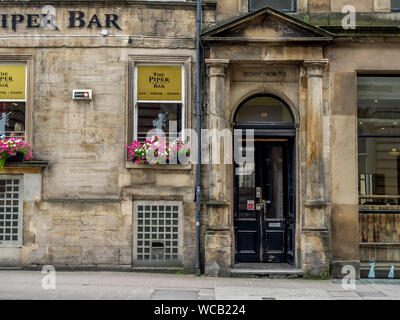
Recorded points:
(10, 210)
(157, 231)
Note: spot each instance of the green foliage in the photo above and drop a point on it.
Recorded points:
(319, 276)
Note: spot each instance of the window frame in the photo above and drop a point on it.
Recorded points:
(368, 136)
(294, 10)
(18, 243)
(29, 88)
(394, 9)
(131, 102)
(156, 262)
(136, 101)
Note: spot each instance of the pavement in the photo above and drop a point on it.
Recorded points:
(19, 284)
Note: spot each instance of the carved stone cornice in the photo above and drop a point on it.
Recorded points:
(217, 67)
(315, 68)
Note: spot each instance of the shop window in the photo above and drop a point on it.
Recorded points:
(10, 210)
(13, 84)
(379, 140)
(159, 100)
(157, 232)
(281, 5)
(395, 5)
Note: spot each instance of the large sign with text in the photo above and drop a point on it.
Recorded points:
(48, 20)
(159, 83)
(12, 82)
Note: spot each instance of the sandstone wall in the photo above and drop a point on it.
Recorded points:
(82, 216)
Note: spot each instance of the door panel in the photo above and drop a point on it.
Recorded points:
(266, 232)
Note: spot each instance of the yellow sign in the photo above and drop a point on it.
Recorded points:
(159, 83)
(12, 82)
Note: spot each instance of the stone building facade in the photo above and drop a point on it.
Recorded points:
(317, 97)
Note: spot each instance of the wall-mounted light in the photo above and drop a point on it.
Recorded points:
(395, 152)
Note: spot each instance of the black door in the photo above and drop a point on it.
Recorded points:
(264, 204)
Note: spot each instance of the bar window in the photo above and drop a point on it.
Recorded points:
(13, 88)
(379, 140)
(159, 100)
(281, 5)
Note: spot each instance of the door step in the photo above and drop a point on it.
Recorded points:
(266, 270)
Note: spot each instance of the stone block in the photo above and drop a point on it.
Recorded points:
(125, 255)
(118, 238)
(315, 258)
(124, 180)
(337, 266)
(345, 232)
(100, 255)
(318, 6)
(359, 5)
(10, 257)
(32, 187)
(40, 255)
(382, 5)
(85, 238)
(66, 255)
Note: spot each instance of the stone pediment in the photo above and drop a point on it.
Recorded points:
(266, 25)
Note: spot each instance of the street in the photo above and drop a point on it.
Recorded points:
(17, 284)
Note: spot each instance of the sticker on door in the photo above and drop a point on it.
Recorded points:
(250, 205)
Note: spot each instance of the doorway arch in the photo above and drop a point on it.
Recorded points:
(264, 198)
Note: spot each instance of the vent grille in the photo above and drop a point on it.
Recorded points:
(157, 231)
(10, 210)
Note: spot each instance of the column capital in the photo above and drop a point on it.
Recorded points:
(217, 66)
(315, 68)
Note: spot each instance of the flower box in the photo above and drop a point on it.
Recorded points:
(157, 151)
(19, 157)
(14, 150)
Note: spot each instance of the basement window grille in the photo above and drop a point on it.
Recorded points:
(157, 230)
(10, 210)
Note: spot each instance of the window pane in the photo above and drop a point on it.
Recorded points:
(379, 169)
(378, 105)
(284, 5)
(395, 4)
(164, 116)
(263, 109)
(12, 119)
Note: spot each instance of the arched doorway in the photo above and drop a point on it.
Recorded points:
(264, 197)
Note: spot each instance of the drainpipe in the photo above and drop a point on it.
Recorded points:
(198, 131)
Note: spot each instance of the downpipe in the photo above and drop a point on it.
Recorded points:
(198, 131)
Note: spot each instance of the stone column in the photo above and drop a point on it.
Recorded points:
(218, 237)
(315, 236)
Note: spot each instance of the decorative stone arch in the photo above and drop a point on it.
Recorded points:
(270, 92)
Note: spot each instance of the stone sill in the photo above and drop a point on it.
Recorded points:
(10, 245)
(131, 165)
(34, 166)
(32, 163)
